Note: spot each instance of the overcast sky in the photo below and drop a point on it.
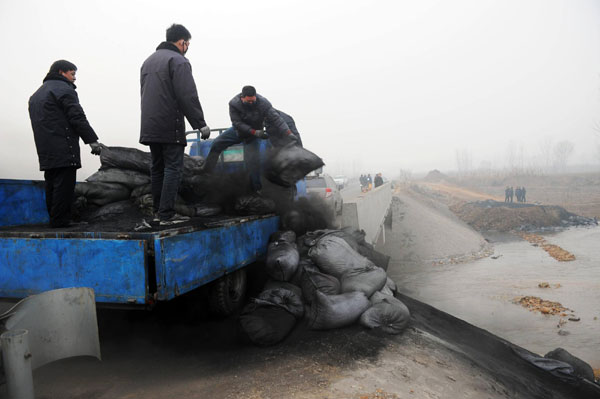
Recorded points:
(373, 85)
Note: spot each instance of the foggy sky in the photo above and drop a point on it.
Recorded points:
(373, 85)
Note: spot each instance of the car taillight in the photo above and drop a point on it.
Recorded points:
(327, 192)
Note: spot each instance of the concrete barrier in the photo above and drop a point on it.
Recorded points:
(367, 212)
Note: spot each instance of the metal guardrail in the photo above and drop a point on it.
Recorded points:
(198, 134)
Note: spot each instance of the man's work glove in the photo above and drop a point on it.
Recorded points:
(261, 134)
(205, 132)
(96, 148)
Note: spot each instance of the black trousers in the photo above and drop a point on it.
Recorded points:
(166, 172)
(60, 186)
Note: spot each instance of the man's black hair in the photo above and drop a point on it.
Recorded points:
(177, 32)
(248, 91)
(62, 65)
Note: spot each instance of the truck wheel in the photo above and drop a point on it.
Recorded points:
(227, 293)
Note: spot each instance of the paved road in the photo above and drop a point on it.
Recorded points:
(351, 191)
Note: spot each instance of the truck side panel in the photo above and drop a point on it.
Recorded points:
(187, 261)
(22, 202)
(115, 269)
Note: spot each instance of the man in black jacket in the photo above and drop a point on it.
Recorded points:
(248, 112)
(58, 121)
(169, 94)
(278, 139)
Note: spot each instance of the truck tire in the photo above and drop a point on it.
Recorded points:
(227, 293)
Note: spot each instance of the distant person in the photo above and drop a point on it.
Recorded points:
(249, 112)
(378, 180)
(58, 122)
(369, 182)
(511, 192)
(507, 194)
(168, 94)
(518, 193)
(524, 194)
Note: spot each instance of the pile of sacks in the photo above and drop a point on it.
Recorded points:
(123, 184)
(332, 278)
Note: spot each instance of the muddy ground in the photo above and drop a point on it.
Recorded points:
(157, 355)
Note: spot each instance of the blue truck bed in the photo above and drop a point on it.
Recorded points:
(123, 267)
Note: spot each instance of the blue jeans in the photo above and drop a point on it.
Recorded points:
(251, 154)
(166, 172)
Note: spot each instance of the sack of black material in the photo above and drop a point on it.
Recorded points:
(387, 314)
(129, 178)
(285, 235)
(192, 165)
(284, 298)
(113, 209)
(304, 262)
(141, 190)
(334, 256)
(254, 205)
(335, 311)
(580, 367)
(390, 285)
(207, 210)
(367, 279)
(282, 260)
(265, 324)
(291, 163)
(125, 158)
(99, 193)
(145, 203)
(313, 280)
(275, 284)
(356, 239)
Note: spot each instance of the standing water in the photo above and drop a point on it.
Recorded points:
(482, 291)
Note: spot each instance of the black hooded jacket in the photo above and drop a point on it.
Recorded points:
(246, 118)
(168, 94)
(58, 121)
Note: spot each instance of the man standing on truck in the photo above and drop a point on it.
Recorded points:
(248, 112)
(58, 121)
(168, 94)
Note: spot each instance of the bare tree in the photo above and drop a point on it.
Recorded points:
(562, 152)
(546, 154)
(464, 162)
(405, 176)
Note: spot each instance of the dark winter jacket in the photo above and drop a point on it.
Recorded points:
(58, 121)
(275, 135)
(247, 118)
(168, 94)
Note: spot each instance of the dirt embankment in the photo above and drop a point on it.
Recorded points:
(577, 193)
(486, 212)
(501, 216)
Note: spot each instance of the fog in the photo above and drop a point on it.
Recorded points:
(373, 86)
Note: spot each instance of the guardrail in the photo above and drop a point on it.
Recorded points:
(368, 212)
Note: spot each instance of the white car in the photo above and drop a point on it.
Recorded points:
(341, 181)
(323, 186)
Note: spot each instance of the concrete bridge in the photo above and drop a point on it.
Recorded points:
(367, 211)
